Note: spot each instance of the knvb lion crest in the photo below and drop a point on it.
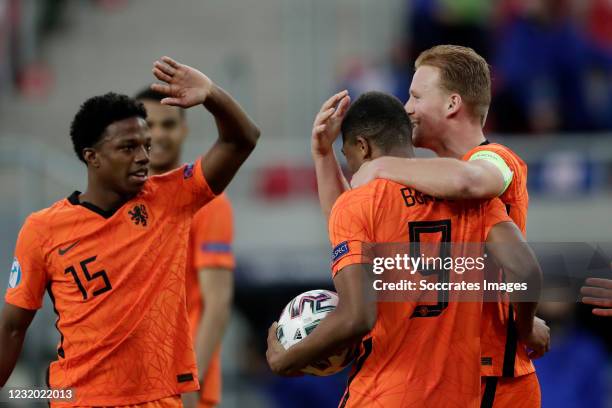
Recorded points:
(139, 215)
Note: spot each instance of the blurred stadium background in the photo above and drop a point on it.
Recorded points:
(552, 68)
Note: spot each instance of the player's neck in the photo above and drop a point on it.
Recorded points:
(459, 140)
(105, 199)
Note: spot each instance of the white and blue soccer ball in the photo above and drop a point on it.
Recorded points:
(300, 317)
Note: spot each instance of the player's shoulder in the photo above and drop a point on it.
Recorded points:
(366, 196)
(504, 151)
(184, 171)
(49, 215)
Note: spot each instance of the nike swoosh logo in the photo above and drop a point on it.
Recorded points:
(62, 251)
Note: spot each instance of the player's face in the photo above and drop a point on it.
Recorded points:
(168, 131)
(427, 107)
(354, 155)
(122, 156)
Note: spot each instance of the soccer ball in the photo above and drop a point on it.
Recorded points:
(299, 319)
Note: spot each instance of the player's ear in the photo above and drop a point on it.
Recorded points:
(453, 104)
(364, 147)
(91, 157)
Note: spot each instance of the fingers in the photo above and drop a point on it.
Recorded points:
(171, 62)
(165, 68)
(331, 102)
(342, 107)
(272, 332)
(323, 116)
(602, 283)
(594, 301)
(596, 292)
(172, 102)
(159, 74)
(602, 312)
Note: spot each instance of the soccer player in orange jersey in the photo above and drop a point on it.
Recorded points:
(209, 279)
(411, 354)
(113, 258)
(449, 100)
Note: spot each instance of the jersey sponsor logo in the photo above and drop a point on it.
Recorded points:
(216, 247)
(15, 277)
(63, 251)
(339, 251)
(188, 171)
(139, 215)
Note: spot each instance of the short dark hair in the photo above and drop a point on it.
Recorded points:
(149, 94)
(96, 113)
(380, 118)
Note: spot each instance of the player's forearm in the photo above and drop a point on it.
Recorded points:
(439, 177)
(11, 342)
(336, 331)
(210, 333)
(331, 182)
(234, 124)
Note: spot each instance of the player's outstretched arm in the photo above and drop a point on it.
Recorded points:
(238, 134)
(510, 251)
(598, 292)
(352, 319)
(14, 321)
(439, 177)
(331, 182)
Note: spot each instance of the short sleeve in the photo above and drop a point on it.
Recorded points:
(185, 187)
(28, 275)
(348, 231)
(212, 235)
(499, 162)
(495, 213)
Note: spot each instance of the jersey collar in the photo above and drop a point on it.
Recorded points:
(74, 200)
(486, 142)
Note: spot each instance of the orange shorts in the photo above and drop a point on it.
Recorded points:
(168, 402)
(500, 392)
(210, 390)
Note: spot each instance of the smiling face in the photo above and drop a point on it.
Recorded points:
(427, 107)
(121, 157)
(168, 131)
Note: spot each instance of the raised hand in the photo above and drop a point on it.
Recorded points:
(185, 86)
(326, 126)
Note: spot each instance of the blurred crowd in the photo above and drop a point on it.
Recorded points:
(551, 59)
(24, 27)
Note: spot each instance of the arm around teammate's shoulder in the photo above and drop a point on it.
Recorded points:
(439, 177)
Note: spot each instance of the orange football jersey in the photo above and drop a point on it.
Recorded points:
(502, 354)
(414, 356)
(117, 283)
(210, 246)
